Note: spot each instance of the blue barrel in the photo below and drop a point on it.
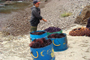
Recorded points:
(45, 53)
(33, 37)
(59, 44)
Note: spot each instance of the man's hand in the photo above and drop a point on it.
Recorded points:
(44, 20)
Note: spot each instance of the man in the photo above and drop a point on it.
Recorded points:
(88, 23)
(36, 17)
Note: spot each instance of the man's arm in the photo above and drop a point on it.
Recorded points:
(37, 15)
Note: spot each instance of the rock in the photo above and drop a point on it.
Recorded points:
(1, 5)
(85, 14)
(29, 17)
(46, 0)
(8, 2)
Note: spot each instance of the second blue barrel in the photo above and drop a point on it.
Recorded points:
(60, 44)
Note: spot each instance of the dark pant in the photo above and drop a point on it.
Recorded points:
(33, 28)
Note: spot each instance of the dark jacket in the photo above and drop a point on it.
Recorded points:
(88, 23)
(35, 17)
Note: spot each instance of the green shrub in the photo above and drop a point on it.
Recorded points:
(66, 14)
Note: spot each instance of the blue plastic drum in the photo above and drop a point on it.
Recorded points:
(33, 37)
(45, 53)
(60, 44)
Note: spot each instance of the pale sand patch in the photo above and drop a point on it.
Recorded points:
(18, 49)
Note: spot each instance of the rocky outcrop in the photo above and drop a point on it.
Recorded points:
(83, 17)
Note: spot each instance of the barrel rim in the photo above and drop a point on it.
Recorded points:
(57, 38)
(38, 31)
(54, 32)
(43, 47)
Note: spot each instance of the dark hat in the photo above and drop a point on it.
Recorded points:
(34, 2)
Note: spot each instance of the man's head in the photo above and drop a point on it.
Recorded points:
(36, 3)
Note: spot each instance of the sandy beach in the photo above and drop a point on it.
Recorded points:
(17, 47)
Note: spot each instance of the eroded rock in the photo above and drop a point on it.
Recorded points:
(83, 17)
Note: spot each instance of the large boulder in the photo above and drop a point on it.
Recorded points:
(83, 17)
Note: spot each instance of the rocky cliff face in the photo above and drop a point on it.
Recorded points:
(83, 17)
